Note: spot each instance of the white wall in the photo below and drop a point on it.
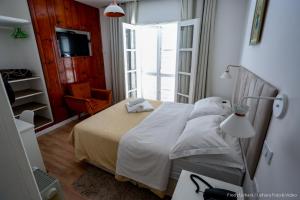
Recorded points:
(9, 59)
(276, 59)
(153, 11)
(14, 8)
(226, 49)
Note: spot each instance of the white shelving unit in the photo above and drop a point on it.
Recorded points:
(24, 79)
(6, 21)
(29, 97)
(30, 93)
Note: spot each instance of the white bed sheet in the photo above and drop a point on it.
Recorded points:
(143, 153)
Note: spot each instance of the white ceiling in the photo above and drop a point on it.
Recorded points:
(100, 3)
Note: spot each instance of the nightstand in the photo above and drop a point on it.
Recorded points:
(185, 188)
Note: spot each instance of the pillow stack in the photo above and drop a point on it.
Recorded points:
(202, 134)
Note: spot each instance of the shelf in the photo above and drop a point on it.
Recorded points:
(33, 106)
(24, 79)
(21, 94)
(40, 121)
(12, 21)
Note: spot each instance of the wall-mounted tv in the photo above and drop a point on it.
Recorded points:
(73, 43)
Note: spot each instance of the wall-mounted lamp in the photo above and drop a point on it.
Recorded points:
(238, 125)
(226, 73)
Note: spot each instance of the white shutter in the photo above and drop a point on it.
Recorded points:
(130, 61)
(187, 58)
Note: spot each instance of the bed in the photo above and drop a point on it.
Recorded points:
(97, 139)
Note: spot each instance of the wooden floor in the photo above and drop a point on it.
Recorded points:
(59, 159)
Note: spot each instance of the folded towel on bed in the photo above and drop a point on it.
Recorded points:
(136, 101)
(145, 106)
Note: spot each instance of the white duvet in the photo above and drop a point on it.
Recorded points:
(143, 153)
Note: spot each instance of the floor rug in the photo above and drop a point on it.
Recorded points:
(96, 184)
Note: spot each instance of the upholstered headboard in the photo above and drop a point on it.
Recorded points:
(260, 112)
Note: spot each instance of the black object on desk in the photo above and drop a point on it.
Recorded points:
(212, 193)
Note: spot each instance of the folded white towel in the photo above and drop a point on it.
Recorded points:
(136, 101)
(141, 107)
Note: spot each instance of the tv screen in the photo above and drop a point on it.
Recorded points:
(73, 44)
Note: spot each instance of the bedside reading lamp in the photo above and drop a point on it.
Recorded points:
(226, 73)
(237, 123)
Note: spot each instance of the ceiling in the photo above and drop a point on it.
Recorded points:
(100, 3)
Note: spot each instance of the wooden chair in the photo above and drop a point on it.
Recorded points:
(83, 98)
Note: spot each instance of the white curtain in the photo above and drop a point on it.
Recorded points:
(188, 11)
(116, 48)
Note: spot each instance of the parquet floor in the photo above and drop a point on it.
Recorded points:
(59, 159)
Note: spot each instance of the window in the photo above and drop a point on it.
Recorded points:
(156, 67)
(156, 47)
(129, 32)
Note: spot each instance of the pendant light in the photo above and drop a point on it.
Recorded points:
(113, 10)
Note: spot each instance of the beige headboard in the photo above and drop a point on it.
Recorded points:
(260, 112)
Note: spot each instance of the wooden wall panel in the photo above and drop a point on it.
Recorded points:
(58, 71)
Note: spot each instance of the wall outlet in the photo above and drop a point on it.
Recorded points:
(267, 153)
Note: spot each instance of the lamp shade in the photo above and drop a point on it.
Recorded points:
(238, 126)
(113, 10)
(225, 75)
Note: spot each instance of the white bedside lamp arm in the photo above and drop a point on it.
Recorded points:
(260, 97)
(228, 67)
(279, 105)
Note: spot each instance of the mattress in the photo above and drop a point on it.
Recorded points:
(215, 166)
(96, 139)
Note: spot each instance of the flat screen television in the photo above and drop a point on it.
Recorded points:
(73, 44)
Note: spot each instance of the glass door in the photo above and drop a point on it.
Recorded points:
(148, 60)
(156, 45)
(167, 65)
(187, 52)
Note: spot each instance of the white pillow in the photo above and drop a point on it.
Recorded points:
(200, 136)
(212, 99)
(210, 106)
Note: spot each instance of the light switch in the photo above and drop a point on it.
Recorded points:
(267, 153)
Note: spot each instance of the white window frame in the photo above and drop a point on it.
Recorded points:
(126, 71)
(195, 48)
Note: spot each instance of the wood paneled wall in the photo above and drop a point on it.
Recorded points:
(58, 71)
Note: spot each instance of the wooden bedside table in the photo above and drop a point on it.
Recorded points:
(185, 188)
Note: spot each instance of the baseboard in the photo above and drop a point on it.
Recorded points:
(55, 126)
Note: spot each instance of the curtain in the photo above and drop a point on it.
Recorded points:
(188, 11)
(116, 48)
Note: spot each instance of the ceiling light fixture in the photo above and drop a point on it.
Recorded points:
(113, 10)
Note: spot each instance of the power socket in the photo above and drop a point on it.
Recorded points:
(267, 153)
